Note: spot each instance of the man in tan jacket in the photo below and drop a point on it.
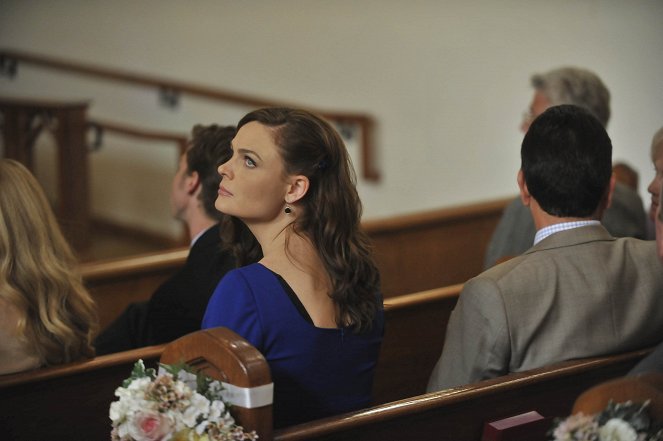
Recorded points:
(578, 292)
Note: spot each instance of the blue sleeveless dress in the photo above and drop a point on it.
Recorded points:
(317, 372)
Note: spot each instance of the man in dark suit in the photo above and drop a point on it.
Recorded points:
(177, 307)
(579, 291)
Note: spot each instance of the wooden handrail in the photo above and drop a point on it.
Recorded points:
(139, 132)
(365, 121)
(79, 367)
(47, 104)
(142, 263)
(421, 407)
(424, 218)
(417, 298)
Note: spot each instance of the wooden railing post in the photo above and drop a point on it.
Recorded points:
(23, 122)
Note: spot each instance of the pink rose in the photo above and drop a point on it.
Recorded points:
(150, 426)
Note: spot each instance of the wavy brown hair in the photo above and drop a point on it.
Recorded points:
(38, 272)
(331, 212)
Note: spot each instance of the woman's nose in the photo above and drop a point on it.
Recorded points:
(224, 169)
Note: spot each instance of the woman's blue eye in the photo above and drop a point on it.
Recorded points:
(249, 162)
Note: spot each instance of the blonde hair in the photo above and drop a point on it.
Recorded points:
(38, 274)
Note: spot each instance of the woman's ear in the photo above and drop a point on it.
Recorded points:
(297, 188)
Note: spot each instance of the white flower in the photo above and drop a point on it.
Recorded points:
(214, 390)
(617, 429)
(118, 410)
(200, 428)
(198, 407)
(139, 384)
(188, 378)
(172, 407)
(574, 427)
(216, 411)
(131, 400)
(183, 390)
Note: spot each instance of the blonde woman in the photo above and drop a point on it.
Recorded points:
(46, 315)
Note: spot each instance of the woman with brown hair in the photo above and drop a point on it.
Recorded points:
(311, 304)
(46, 315)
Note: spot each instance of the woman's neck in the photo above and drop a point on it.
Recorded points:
(297, 261)
(290, 254)
(285, 248)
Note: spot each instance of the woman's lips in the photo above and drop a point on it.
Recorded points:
(224, 191)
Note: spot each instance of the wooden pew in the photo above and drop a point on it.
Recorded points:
(227, 357)
(68, 402)
(116, 283)
(459, 414)
(637, 389)
(414, 252)
(414, 335)
(72, 402)
(435, 248)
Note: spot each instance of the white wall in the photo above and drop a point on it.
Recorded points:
(447, 81)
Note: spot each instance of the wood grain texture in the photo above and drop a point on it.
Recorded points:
(458, 414)
(224, 355)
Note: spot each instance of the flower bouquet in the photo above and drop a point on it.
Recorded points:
(176, 405)
(617, 422)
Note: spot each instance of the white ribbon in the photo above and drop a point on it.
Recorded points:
(248, 397)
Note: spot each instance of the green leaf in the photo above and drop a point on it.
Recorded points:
(139, 371)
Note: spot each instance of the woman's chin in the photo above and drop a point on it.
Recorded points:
(220, 205)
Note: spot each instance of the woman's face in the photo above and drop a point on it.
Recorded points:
(253, 184)
(655, 185)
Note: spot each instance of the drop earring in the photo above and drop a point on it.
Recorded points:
(287, 209)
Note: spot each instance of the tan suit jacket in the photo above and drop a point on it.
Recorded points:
(577, 293)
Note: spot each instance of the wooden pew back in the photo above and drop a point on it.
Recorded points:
(47, 401)
(72, 401)
(429, 249)
(459, 414)
(414, 252)
(116, 283)
(415, 326)
(225, 356)
(68, 402)
(638, 389)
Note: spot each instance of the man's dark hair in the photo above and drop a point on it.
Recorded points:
(209, 148)
(566, 160)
